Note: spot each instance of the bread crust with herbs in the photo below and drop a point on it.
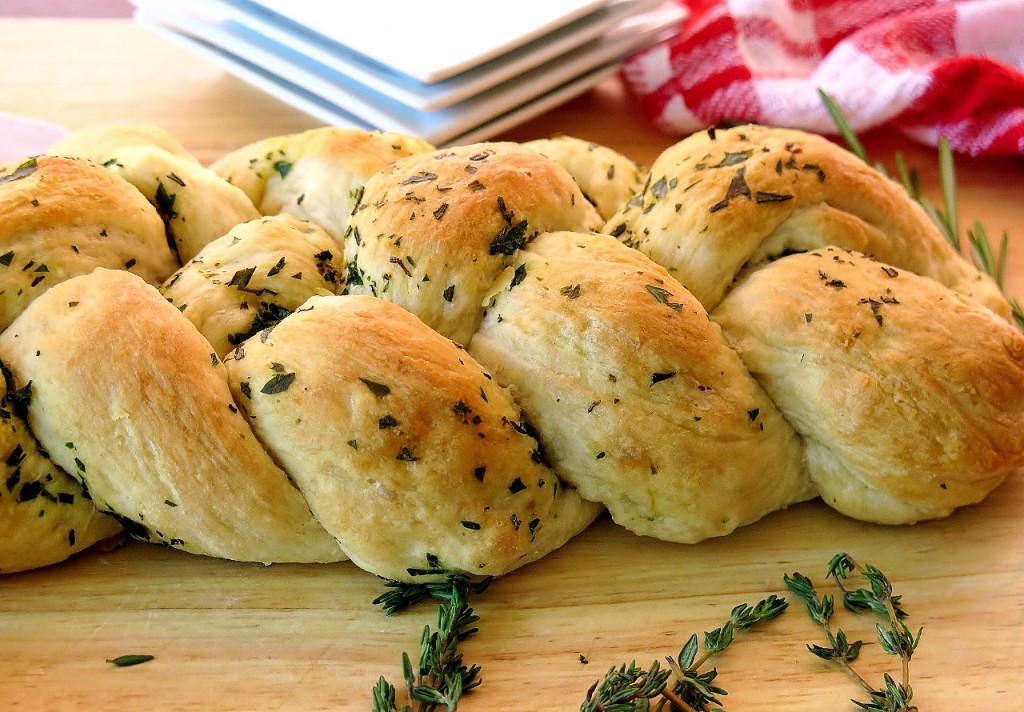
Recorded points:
(491, 345)
(129, 397)
(196, 205)
(407, 450)
(315, 175)
(908, 396)
(253, 276)
(432, 232)
(45, 515)
(607, 178)
(61, 217)
(639, 401)
(720, 201)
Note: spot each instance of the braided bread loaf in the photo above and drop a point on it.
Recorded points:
(432, 361)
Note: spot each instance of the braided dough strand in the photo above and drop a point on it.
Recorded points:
(909, 397)
(253, 277)
(407, 450)
(148, 423)
(606, 178)
(720, 201)
(432, 232)
(639, 400)
(62, 217)
(316, 175)
(45, 515)
(195, 204)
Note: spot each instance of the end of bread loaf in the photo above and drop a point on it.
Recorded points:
(908, 396)
(62, 217)
(152, 429)
(45, 515)
(194, 203)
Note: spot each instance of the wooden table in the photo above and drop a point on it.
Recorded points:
(230, 636)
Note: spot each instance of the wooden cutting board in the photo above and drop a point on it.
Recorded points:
(229, 636)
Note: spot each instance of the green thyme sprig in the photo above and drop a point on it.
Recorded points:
(626, 689)
(991, 262)
(681, 686)
(401, 594)
(441, 678)
(894, 637)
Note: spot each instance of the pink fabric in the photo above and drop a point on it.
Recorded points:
(926, 67)
(21, 137)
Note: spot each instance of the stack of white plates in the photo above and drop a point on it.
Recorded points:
(451, 71)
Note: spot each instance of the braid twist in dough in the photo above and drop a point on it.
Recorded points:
(449, 368)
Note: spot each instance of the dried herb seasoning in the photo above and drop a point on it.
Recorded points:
(24, 169)
(130, 660)
(421, 177)
(509, 239)
(662, 295)
(282, 167)
(659, 377)
(278, 383)
(377, 389)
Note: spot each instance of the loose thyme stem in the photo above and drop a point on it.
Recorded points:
(895, 640)
(947, 182)
(626, 688)
(821, 610)
(704, 657)
(677, 701)
(440, 678)
(844, 660)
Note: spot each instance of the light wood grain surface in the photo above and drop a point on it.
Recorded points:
(230, 636)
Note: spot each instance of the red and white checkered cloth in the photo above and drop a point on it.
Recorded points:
(926, 67)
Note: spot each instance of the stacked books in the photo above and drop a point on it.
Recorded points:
(451, 72)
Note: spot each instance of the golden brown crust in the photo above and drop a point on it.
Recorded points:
(129, 397)
(406, 449)
(315, 175)
(348, 424)
(433, 231)
(196, 205)
(719, 201)
(607, 178)
(637, 398)
(253, 277)
(909, 397)
(61, 217)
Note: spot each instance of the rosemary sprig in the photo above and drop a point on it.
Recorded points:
(992, 263)
(681, 687)
(441, 678)
(895, 638)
